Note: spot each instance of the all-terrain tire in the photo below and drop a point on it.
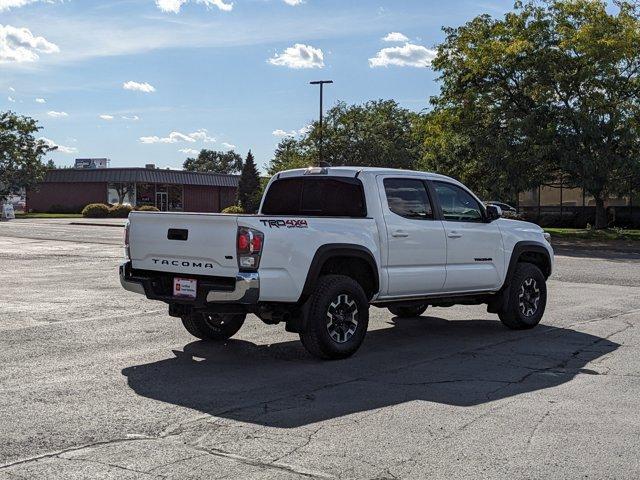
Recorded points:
(408, 311)
(213, 326)
(527, 298)
(337, 318)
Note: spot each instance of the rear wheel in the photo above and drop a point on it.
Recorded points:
(337, 318)
(527, 298)
(213, 326)
(408, 311)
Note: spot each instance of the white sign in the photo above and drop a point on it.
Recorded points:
(7, 212)
(185, 287)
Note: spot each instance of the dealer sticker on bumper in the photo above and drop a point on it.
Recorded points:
(185, 287)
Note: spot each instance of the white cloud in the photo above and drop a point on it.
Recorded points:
(7, 4)
(230, 146)
(299, 56)
(11, 89)
(140, 87)
(408, 55)
(202, 135)
(174, 6)
(55, 114)
(133, 118)
(20, 45)
(395, 37)
(40, 100)
(292, 133)
(106, 117)
(293, 3)
(306, 129)
(11, 99)
(61, 148)
(189, 151)
(175, 137)
(282, 133)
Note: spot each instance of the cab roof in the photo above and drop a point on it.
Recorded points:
(348, 171)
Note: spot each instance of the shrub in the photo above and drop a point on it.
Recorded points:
(234, 209)
(147, 208)
(120, 211)
(96, 210)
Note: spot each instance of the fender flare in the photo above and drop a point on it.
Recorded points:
(331, 250)
(519, 248)
(524, 247)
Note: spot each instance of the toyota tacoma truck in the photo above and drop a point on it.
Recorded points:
(329, 242)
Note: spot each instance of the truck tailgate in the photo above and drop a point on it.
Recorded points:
(186, 243)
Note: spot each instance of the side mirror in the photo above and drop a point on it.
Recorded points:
(493, 212)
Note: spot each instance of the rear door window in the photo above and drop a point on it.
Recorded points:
(408, 198)
(316, 196)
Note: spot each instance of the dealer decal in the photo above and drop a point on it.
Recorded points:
(290, 223)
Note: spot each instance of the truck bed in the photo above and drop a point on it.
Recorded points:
(205, 244)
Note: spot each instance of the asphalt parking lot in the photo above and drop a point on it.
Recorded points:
(97, 382)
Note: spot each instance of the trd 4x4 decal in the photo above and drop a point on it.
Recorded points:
(291, 223)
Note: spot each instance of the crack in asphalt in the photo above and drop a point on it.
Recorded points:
(535, 429)
(106, 464)
(259, 463)
(274, 465)
(299, 447)
(75, 448)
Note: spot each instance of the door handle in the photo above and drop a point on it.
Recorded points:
(399, 234)
(454, 234)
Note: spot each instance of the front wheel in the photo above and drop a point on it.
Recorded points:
(213, 326)
(527, 298)
(337, 318)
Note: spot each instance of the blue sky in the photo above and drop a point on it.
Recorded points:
(213, 72)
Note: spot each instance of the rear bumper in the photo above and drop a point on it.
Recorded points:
(245, 289)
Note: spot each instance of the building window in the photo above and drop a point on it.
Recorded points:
(146, 194)
(162, 196)
(124, 193)
(175, 198)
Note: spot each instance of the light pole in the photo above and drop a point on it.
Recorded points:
(321, 83)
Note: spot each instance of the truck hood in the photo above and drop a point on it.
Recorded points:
(518, 225)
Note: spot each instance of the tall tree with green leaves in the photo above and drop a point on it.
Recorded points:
(376, 133)
(551, 90)
(21, 164)
(215, 162)
(290, 153)
(249, 186)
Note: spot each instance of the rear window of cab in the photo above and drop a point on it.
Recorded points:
(316, 196)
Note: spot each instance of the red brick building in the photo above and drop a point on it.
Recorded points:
(169, 190)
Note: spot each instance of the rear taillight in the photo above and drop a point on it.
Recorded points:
(127, 255)
(249, 248)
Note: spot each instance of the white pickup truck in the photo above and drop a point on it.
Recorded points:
(329, 242)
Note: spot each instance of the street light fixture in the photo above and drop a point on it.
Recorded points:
(321, 83)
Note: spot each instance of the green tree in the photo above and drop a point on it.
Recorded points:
(21, 153)
(290, 153)
(216, 162)
(376, 133)
(249, 186)
(551, 90)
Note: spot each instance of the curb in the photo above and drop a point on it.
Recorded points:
(98, 224)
